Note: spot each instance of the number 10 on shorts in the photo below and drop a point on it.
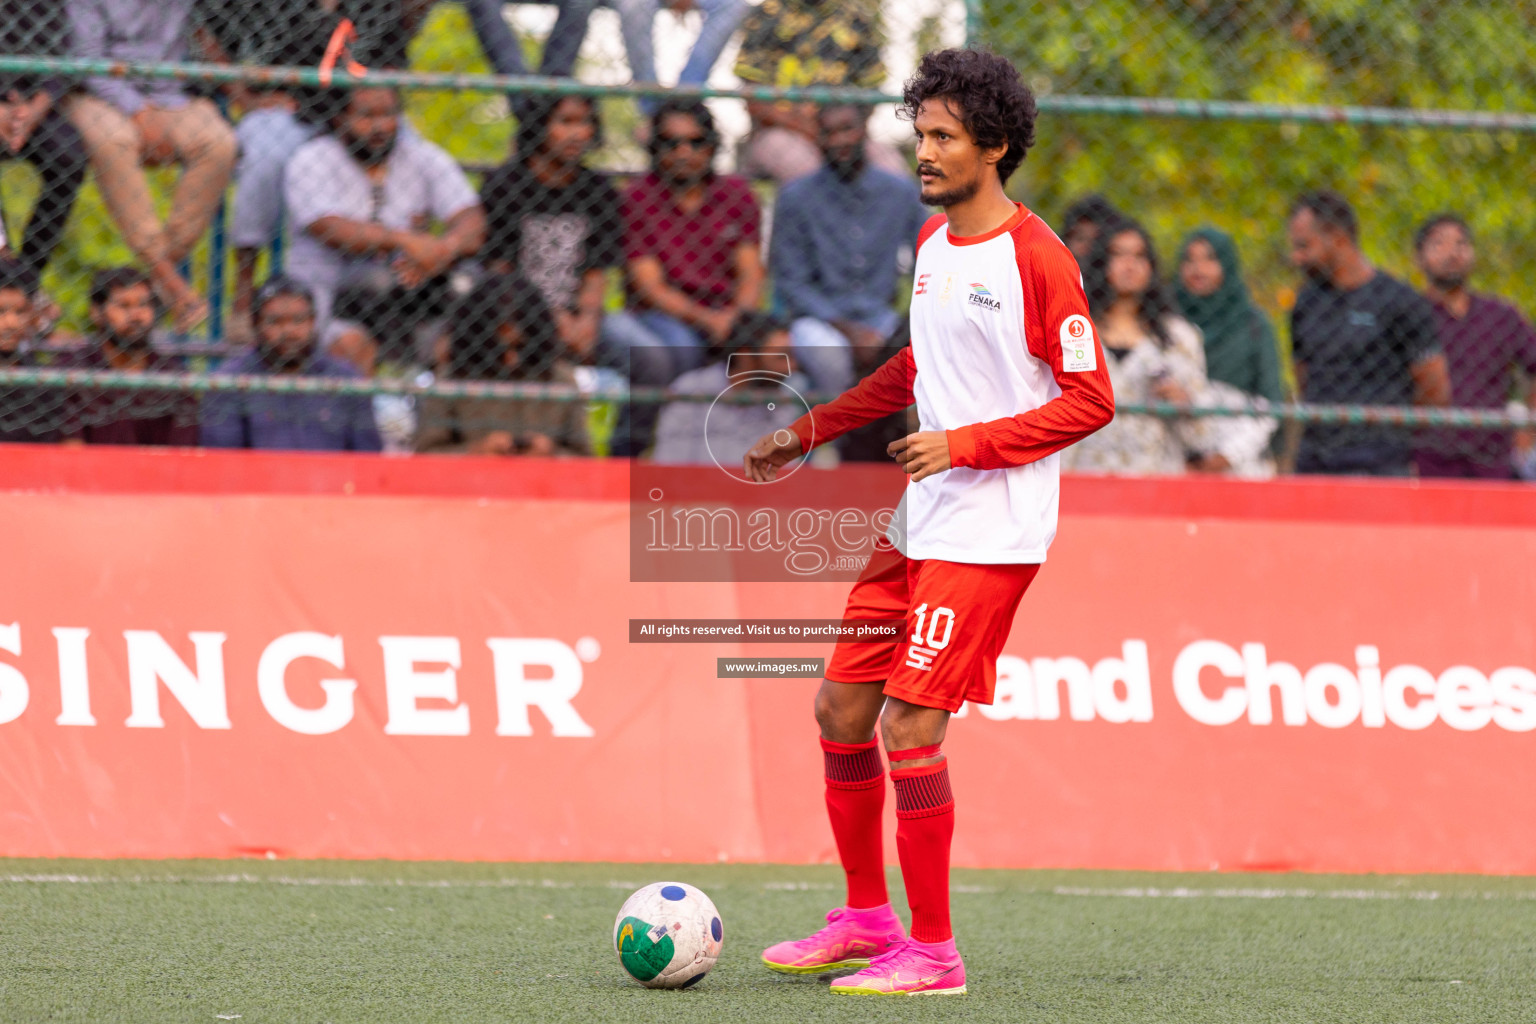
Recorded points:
(923, 649)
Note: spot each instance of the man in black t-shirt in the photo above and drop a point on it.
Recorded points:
(553, 220)
(1358, 337)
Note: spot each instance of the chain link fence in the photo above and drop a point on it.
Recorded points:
(220, 232)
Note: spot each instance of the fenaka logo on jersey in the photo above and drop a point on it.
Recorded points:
(981, 297)
(1078, 353)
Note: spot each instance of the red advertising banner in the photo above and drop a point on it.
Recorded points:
(222, 654)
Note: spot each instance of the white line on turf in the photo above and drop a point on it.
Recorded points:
(412, 883)
(1289, 894)
(1181, 892)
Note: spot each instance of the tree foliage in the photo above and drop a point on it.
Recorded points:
(1175, 175)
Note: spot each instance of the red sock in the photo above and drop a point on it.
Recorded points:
(925, 823)
(855, 798)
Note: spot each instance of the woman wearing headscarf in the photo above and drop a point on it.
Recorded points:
(1239, 339)
(1241, 358)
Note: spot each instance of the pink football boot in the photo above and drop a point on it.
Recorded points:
(850, 939)
(910, 969)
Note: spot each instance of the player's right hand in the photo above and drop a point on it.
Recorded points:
(763, 459)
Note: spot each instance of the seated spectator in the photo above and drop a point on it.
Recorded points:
(693, 261)
(1084, 219)
(755, 361)
(286, 343)
(840, 236)
(1485, 341)
(278, 120)
(128, 125)
(503, 331)
(802, 43)
(554, 221)
(360, 204)
(27, 412)
(124, 311)
(34, 129)
(1358, 337)
(1154, 356)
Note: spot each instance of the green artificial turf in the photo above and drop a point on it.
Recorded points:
(309, 942)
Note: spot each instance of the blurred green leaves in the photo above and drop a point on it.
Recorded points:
(1175, 175)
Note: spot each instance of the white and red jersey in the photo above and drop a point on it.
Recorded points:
(1005, 359)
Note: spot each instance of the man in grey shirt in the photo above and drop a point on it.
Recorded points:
(127, 125)
(361, 202)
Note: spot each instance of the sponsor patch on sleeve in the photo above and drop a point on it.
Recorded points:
(1078, 353)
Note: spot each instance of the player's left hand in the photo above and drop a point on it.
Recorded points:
(922, 454)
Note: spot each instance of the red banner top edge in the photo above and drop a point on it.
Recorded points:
(123, 470)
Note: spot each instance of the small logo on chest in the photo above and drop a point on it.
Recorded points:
(979, 296)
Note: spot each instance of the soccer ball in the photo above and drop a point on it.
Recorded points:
(667, 935)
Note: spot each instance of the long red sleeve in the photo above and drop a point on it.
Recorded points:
(1058, 327)
(887, 390)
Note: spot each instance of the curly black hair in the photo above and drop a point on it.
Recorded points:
(995, 106)
(1156, 305)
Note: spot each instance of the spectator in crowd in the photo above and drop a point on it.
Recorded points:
(1359, 337)
(27, 412)
(756, 362)
(278, 120)
(1240, 348)
(691, 248)
(360, 203)
(554, 221)
(18, 321)
(128, 125)
(841, 235)
(33, 127)
(801, 43)
(502, 331)
(124, 311)
(286, 343)
(1154, 356)
(1242, 360)
(1485, 340)
(1084, 219)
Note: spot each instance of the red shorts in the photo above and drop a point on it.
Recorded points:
(958, 614)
